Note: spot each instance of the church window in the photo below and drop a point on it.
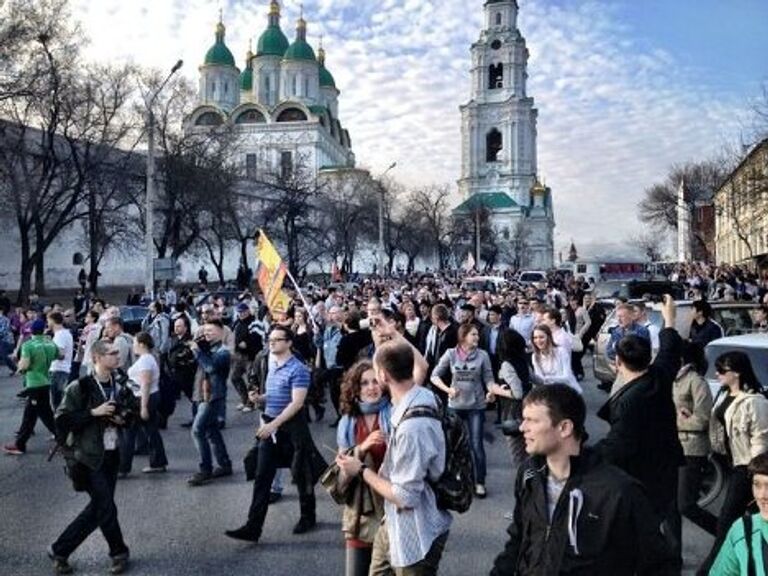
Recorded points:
(496, 44)
(286, 165)
(291, 115)
(496, 76)
(306, 86)
(295, 86)
(250, 166)
(226, 87)
(493, 145)
(506, 233)
(498, 18)
(208, 119)
(250, 117)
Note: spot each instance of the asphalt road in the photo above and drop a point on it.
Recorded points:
(173, 529)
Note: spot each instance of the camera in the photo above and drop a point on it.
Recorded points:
(127, 406)
(511, 427)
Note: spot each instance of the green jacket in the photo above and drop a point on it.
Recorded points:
(84, 433)
(732, 558)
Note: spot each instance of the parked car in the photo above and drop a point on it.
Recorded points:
(532, 277)
(493, 284)
(756, 347)
(132, 317)
(734, 317)
(637, 289)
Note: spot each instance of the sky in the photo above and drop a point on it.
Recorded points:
(624, 88)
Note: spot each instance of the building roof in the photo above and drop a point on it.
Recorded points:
(490, 201)
(300, 50)
(219, 54)
(326, 78)
(272, 42)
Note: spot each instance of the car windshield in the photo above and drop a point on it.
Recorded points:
(758, 357)
(531, 277)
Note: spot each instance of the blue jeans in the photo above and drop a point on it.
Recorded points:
(59, 381)
(475, 421)
(206, 433)
(6, 349)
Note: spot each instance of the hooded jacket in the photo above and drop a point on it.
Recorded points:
(602, 525)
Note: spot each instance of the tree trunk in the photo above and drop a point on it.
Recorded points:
(40, 271)
(25, 274)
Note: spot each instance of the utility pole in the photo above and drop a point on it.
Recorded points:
(381, 220)
(149, 221)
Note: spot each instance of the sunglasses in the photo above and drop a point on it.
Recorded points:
(722, 370)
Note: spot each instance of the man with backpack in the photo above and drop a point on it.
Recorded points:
(414, 532)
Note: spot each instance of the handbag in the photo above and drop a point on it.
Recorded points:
(331, 481)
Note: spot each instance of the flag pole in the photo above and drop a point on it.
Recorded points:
(301, 295)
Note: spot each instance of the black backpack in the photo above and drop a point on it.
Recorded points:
(455, 487)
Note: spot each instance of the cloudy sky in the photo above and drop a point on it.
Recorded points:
(624, 88)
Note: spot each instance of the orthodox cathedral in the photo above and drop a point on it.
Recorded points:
(498, 141)
(283, 104)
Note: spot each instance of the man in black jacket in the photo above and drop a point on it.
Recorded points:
(248, 343)
(643, 437)
(575, 513)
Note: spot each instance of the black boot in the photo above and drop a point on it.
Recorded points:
(244, 533)
(305, 524)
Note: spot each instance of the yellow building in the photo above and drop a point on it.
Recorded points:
(741, 211)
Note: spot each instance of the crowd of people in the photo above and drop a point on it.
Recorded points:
(381, 348)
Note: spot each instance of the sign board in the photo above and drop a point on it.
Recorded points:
(165, 269)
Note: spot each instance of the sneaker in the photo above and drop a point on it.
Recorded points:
(119, 564)
(221, 472)
(13, 450)
(304, 525)
(275, 497)
(200, 479)
(243, 533)
(60, 564)
(509, 516)
(246, 409)
(240, 406)
(154, 470)
(480, 491)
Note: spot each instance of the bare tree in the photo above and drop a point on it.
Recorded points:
(659, 206)
(431, 205)
(350, 209)
(650, 243)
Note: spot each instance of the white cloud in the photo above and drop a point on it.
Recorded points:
(613, 115)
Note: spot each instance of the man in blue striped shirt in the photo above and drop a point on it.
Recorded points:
(283, 435)
(411, 540)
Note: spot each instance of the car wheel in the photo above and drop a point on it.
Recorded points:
(712, 483)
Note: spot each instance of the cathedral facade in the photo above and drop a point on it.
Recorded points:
(499, 171)
(283, 104)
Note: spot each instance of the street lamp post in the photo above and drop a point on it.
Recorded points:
(381, 220)
(149, 277)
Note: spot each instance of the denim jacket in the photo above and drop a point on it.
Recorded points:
(617, 333)
(215, 364)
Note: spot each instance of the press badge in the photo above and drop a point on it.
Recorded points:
(110, 438)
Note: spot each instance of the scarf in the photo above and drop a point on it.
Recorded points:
(345, 434)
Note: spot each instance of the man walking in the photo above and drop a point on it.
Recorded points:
(283, 436)
(211, 391)
(62, 365)
(643, 439)
(523, 321)
(247, 344)
(574, 513)
(85, 418)
(37, 355)
(412, 537)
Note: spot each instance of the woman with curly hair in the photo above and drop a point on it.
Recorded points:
(364, 428)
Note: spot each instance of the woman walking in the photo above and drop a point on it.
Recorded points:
(365, 428)
(551, 363)
(739, 430)
(144, 380)
(472, 377)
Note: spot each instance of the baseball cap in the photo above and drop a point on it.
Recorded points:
(243, 307)
(38, 326)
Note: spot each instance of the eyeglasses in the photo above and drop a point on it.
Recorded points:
(112, 353)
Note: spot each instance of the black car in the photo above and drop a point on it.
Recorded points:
(132, 317)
